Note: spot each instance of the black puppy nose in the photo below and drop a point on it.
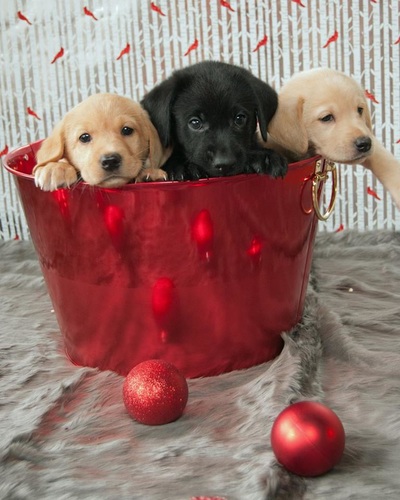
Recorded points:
(111, 161)
(363, 144)
(223, 161)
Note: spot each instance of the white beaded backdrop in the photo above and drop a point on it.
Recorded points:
(55, 54)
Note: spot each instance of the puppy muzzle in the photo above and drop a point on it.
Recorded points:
(111, 162)
(222, 163)
(363, 144)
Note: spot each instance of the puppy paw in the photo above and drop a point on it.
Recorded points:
(152, 174)
(55, 175)
(178, 173)
(276, 165)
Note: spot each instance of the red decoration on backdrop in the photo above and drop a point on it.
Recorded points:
(226, 5)
(298, 3)
(331, 39)
(340, 228)
(59, 54)
(398, 141)
(397, 41)
(371, 97)
(89, 13)
(373, 193)
(157, 9)
(203, 233)
(194, 46)
(124, 51)
(155, 392)
(308, 438)
(32, 113)
(23, 18)
(261, 43)
(4, 151)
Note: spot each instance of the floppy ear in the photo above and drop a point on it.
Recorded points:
(52, 148)
(157, 154)
(287, 126)
(267, 103)
(367, 116)
(158, 103)
(361, 92)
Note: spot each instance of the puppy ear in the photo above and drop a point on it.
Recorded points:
(156, 151)
(287, 126)
(52, 148)
(267, 103)
(158, 103)
(367, 116)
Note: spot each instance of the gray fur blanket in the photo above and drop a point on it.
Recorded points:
(65, 434)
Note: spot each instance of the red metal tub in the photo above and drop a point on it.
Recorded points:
(206, 275)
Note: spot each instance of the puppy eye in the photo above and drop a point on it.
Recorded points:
(360, 111)
(127, 131)
(195, 123)
(85, 138)
(326, 118)
(240, 119)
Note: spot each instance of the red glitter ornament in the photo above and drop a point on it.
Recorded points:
(155, 392)
(308, 438)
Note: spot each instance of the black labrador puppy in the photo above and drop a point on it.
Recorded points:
(208, 113)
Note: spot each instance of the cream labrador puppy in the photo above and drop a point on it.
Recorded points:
(107, 140)
(325, 112)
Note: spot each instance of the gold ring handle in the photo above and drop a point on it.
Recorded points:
(322, 169)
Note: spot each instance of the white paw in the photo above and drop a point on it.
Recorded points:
(55, 175)
(152, 174)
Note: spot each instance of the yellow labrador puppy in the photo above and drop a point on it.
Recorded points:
(325, 112)
(107, 140)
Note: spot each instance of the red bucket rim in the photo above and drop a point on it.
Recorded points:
(33, 147)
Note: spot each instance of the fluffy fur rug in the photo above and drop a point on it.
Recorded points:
(66, 435)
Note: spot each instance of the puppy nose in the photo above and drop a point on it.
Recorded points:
(223, 161)
(111, 161)
(363, 144)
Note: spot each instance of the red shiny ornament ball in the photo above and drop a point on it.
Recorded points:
(308, 438)
(155, 392)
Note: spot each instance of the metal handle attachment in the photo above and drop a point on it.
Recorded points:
(321, 174)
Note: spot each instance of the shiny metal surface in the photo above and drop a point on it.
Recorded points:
(205, 275)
